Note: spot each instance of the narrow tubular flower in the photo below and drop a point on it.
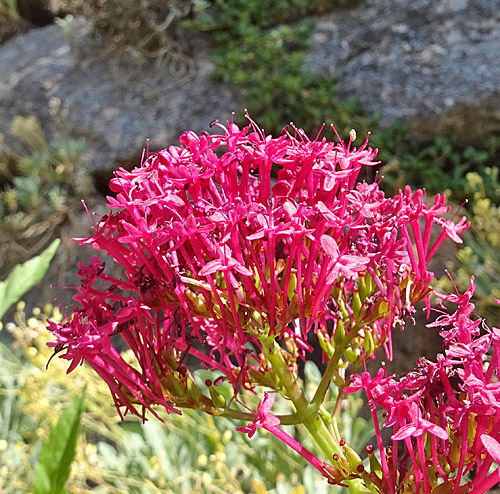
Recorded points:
(270, 423)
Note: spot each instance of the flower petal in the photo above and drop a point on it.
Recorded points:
(330, 246)
(492, 446)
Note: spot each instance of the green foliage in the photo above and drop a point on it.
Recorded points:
(25, 276)
(237, 15)
(7, 10)
(9, 19)
(15, 426)
(442, 166)
(262, 55)
(484, 185)
(57, 454)
(196, 453)
(41, 181)
(39, 189)
(37, 397)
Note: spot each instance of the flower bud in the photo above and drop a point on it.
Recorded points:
(339, 335)
(292, 285)
(197, 300)
(192, 389)
(364, 287)
(218, 400)
(343, 309)
(326, 346)
(334, 473)
(368, 343)
(351, 355)
(356, 303)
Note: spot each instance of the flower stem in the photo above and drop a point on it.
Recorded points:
(307, 416)
(287, 380)
(312, 422)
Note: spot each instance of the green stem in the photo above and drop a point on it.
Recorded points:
(332, 367)
(304, 415)
(322, 437)
(287, 380)
(307, 414)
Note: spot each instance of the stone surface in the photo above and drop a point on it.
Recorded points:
(433, 63)
(114, 104)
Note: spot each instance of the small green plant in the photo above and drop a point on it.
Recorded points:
(40, 187)
(54, 466)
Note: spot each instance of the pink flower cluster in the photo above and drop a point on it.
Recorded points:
(236, 238)
(235, 241)
(445, 416)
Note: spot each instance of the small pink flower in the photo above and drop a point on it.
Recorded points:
(492, 446)
(346, 265)
(264, 417)
(418, 426)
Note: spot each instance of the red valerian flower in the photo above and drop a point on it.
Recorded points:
(234, 239)
(264, 417)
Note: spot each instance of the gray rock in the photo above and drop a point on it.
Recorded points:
(115, 105)
(434, 64)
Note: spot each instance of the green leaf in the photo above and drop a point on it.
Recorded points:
(312, 373)
(25, 276)
(57, 454)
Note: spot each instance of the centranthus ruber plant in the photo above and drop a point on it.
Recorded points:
(241, 253)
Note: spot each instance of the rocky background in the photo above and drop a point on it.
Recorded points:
(432, 64)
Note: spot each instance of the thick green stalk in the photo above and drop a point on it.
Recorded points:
(311, 421)
(307, 415)
(323, 438)
(287, 380)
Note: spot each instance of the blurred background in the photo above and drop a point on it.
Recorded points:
(84, 84)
